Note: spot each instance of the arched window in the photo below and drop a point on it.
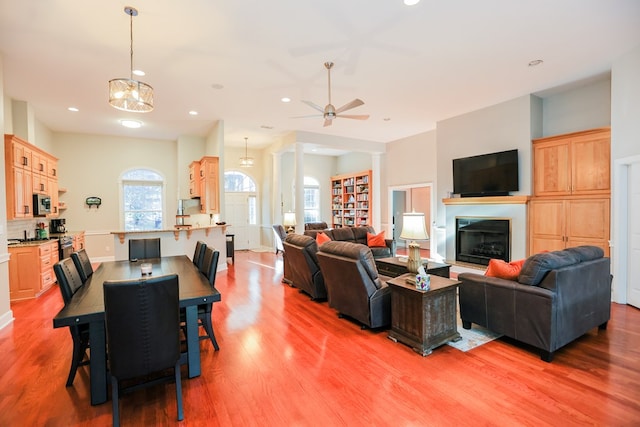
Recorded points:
(142, 192)
(238, 182)
(311, 199)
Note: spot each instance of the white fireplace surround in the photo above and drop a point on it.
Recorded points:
(508, 207)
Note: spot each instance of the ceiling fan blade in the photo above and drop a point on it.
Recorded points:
(354, 116)
(306, 117)
(314, 106)
(327, 122)
(353, 104)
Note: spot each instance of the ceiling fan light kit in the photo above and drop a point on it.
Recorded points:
(128, 94)
(329, 112)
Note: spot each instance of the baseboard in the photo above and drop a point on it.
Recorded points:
(6, 319)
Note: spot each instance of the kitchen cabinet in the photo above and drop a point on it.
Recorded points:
(194, 179)
(351, 199)
(28, 170)
(78, 241)
(31, 269)
(561, 223)
(55, 198)
(209, 185)
(572, 164)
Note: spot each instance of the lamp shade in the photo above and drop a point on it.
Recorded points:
(289, 219)
(413, 227)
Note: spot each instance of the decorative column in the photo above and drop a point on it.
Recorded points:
(276, 197)
(377, 191)
(299, 187)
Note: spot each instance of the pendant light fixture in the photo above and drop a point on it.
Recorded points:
(129, 94)
(246, 161)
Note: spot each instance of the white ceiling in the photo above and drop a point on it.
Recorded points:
(235, 60)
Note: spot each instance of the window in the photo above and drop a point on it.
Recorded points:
(238, 182)
(142, 192)
(311, 199)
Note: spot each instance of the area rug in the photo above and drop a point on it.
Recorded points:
(472, 338)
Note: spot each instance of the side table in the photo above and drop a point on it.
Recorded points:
(231, 249)
(423, 320)
(395, 266)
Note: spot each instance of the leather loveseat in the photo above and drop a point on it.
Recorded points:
(354, 287)
(315, 225)
(358, 235)
(301, 265)
(558, 297)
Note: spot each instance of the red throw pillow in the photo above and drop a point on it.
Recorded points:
(375, 240)
(322, 238)
(504, 270)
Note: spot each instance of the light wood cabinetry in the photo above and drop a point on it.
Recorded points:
(31, 269)
(28, 170)
(78, 241)
(209, 185)
(351, 199)
(572, 164)
(572, 188)
(194, 179)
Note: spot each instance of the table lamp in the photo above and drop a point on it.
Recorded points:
(289, 221)
(413, 229)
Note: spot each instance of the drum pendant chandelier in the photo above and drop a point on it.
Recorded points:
(129, 94)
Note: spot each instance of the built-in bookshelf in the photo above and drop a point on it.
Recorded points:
(351, 199)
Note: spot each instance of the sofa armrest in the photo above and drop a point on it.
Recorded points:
(391, 244)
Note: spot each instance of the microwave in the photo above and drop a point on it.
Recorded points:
(41, 204)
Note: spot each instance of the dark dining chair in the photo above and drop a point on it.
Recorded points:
(198, 254)
(142, 319)
(144, 248)
(69, 281)
(209, 269)
(83, 264)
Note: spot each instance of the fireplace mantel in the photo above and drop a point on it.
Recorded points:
(494, 200)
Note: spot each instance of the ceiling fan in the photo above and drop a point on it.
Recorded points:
(330, 112)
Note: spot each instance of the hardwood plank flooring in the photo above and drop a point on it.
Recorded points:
(285, 360)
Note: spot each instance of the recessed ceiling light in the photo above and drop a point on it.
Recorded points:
(411, 2)
(535, 62)
(285, 99)
(138, 73)
(193, 113)
(217, 86)
(386, 119)
(132, 124)
(266, 127)
(74, 109)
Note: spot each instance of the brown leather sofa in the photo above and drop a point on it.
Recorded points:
(558, 297)
(358, 235)
(354, 287)
(315, 225)
(301, 265)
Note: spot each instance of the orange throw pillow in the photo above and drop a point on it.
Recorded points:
(322, 238)
(504, 270)
(375, 240)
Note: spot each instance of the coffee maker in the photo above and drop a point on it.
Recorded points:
(58, 226)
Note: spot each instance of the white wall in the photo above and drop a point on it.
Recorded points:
(625, 149)
(584, 107)
(91, 165)
(6, 315)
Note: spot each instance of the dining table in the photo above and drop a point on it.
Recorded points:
(87, 307)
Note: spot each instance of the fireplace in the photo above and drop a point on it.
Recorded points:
(480, 239)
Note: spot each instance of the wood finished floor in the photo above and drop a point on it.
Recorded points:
(287, 361)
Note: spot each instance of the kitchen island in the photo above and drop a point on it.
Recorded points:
(177, 241)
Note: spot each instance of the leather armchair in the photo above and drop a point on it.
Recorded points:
(354, 287)
(301, 265)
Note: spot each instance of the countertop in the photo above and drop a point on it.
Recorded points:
(30, 243)
(173, 230)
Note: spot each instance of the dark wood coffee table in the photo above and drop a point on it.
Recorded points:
(396, 266)
(423, 320)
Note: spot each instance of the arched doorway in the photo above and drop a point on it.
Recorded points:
(241, 207)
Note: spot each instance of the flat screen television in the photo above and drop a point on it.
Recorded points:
(493, 174)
